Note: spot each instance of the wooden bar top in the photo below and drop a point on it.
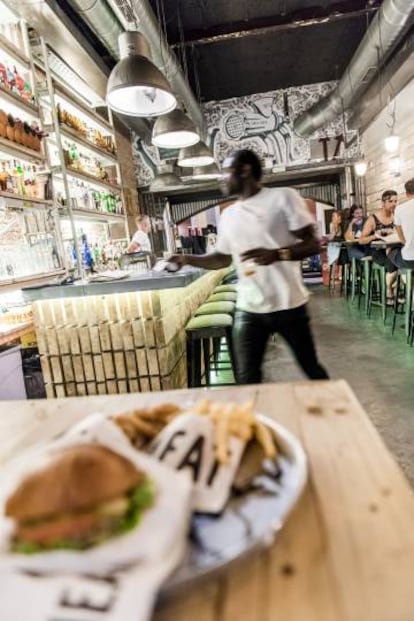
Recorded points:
(347, 551)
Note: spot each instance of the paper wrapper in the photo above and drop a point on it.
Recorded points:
(124, 573)
(188, 444)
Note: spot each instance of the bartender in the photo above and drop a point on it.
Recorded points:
(140, 241)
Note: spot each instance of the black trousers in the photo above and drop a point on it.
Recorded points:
(251, 332)
(395, 256)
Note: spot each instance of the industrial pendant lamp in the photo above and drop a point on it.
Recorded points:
(197, 155)
(136, 87)
(165, 179)
(392, 143)
(174, 130)
(206, 173)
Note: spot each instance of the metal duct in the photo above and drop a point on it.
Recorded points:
(380, 38)
(100, 17)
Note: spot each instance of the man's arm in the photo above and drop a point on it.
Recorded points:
(400, 233)
(134, 247)
(368, 232)
(211, 261)
(308, 246)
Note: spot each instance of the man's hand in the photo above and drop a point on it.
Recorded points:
(177, 259)
(261, 256)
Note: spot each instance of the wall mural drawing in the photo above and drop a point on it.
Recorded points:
(262, 122)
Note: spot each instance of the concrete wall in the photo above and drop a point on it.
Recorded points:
(379, 177)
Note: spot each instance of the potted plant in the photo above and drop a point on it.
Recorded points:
(18, 131)
(3, 124)
(10, 127)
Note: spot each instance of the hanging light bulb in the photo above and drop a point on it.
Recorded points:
(174, 130)
(136, 87)
(392, 143)
(360, 168)
(197, 155)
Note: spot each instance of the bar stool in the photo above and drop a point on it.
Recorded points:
(377, 290)
(365, 278)
(223, 297)
(352, 278)
(225, 289)
(200, 331)
(403, 302)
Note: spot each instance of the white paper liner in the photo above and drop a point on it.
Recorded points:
(142, 558)
(191, 438)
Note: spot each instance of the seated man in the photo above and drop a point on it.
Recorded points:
(404, 224)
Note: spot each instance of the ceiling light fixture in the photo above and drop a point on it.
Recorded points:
(165, 179)
(197, 155)
(360, 168)
(174, 130)
(136, 87)
(392, 143)
(206, 173)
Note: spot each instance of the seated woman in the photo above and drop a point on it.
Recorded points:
(354, 231)
(336, 253)
(377, 226)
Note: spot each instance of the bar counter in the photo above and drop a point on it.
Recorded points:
(120, 336)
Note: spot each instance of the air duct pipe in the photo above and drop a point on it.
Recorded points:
(102, 20)
(380, 38)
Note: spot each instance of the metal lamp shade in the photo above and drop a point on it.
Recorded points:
(197, 155)
(136, 87)
(174, 131)
(206, 173)
(164, 181)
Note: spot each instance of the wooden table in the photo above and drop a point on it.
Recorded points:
(347, 551)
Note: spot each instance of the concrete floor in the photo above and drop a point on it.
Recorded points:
(378, 366)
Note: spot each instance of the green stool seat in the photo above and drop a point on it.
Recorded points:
(209, 321)
(223, 297)
(225, 289)
(204, 333)
(212, 308)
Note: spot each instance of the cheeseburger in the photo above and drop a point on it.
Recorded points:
(84, 496)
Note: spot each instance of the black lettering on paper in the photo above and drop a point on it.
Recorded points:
(192, 459)
(211, 477)
(170, 446)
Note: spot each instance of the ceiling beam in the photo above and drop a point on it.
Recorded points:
(302, 18)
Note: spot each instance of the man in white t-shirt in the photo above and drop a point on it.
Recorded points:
(404, 224)
(140, 241)
(265, 234)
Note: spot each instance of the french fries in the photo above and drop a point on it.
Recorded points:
(230, 419)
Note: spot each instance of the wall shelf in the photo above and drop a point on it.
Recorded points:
(88, 214)
(13, 51)
(18, 102)
(20, 152)
(93, 181)
(96, 119)
(71, 134)
(25, 201)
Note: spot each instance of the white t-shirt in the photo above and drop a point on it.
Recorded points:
(265, 221)
(143, 240)
(404, 217)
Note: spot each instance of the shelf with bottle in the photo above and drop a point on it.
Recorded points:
(98, 251)
(79, 110)
(82, 154)
(89, 200)
(86, 135)
(22, 180)
(94, 182)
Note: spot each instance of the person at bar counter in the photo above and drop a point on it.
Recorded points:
(353, 232)
(266, 233)
(140, 241)
(404, 224)
(379, 226)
